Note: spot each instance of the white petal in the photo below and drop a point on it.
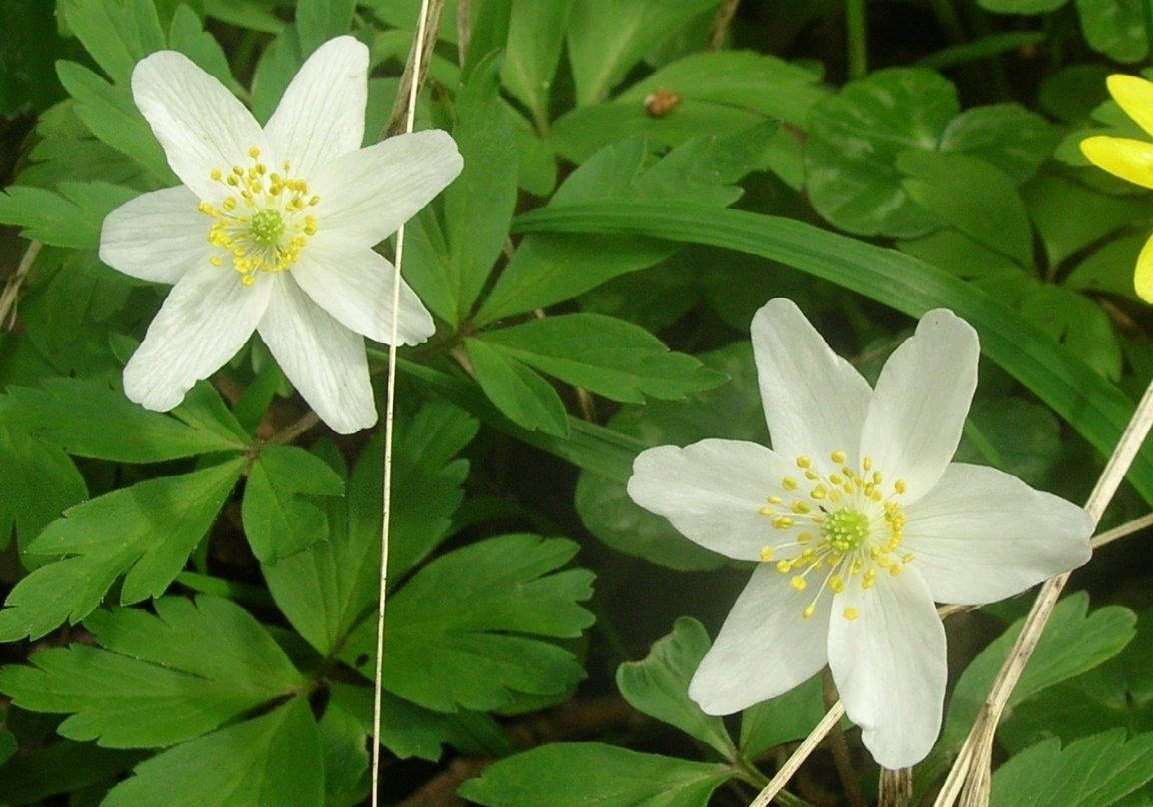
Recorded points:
(712, 491)
(158, 236)
(889, 666)
(200, 124)
(324, 360)
(321, 114)
(765, 647)
(206, 319)
(355, 285)
(366, 195)
(982, 535)
(815, 401)
(920, 403)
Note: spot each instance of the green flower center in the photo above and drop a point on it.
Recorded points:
(845, 527)
(263, 221)
(267, 226)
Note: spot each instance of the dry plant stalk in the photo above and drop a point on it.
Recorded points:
(970, 776)
(426, 29)
(406, 93)
(12, 287)
(896, 788)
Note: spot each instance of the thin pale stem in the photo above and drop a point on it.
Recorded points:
(970, 776)
(896, 788)
(416, 70)
(794, 762)
(12, 287)
(840, 748)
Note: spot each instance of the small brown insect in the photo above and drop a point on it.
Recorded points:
(661, 102)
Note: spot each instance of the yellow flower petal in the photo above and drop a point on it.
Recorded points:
(1135, 95)
(1132, 160)
(1143, 275)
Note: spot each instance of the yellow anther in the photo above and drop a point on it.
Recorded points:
(804, 462)
(775, 500)
(784, 567)
(788, 483)
(314, 201)
(809, 610)
(900, 486)
(798, 583)
(877, 478)
(215, 260)
(838, 457)
(782, 522)
(767, 554)
(229, 203)
(851, 613)
(867, 463)
(804, 538)
(836, 584)
(766, 511)
(801, 507)
(216, 174)
(836, 479)
(896, 569)
(908, 557)
(819, 492)
(253, 152)
(248, 280)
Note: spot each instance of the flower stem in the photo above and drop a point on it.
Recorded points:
(969, 778)
(840, 748)
(857, 33)
(12, 287)
(793, 763)
(415, 71)
(721, 23)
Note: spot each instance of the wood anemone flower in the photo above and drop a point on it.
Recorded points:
(859, 522)
(273, 231)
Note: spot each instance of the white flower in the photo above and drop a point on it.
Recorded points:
(859, 522)
(273, 231)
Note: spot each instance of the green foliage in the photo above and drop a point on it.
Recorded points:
(659, 684)
(454, 628)
(572, 774)
(639, 177)
(145, 531)
(1099, 771)
(179, 692)
(273, 760)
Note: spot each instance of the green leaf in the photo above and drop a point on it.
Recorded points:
(607, 38)
(346, 760)
(1115, 28)
(71, 218)
(7, 745)
(731, 411)
(325, 590)
(535, 37)
(147, 530)
(118, 33)
(320, 20)
(185, 671)
(187, 35)
(854, 139)
(783, 719)
(270, 761)
(250, 14)
(1095, 408)
(1097, 771)
(111, 428)
(1016, 436)
(1108, 270)
(1074, 641)
(27, 79)
(604, 355)
(659, 685)
(39, 482)
(1051, 198)
(1021, 6)
(478, 205)
(61, 768)
(594, 775)
(279, 519)
(110, 114)
(972, 195)
(546, 270)
(516, 389)
(1007, 135)
(460, 630)
(1078, 323)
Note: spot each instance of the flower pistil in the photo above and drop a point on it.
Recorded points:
(843, 523)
